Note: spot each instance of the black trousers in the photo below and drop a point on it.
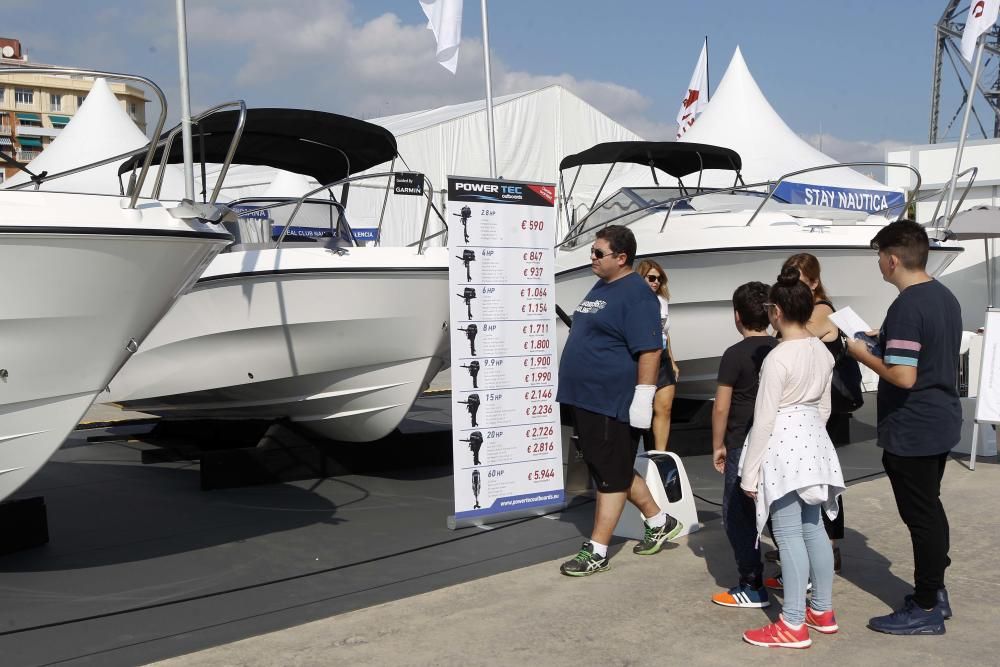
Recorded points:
(916, 483)
(739, 518)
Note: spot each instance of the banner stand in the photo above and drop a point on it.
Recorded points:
(456, 524)
(507, 456)
(987, 394)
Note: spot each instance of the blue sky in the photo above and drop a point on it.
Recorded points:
(860, 72)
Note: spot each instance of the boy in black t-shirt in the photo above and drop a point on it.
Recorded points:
(919, 415)
(732, 415)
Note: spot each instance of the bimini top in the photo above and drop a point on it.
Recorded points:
(677, 159)
(323, 145)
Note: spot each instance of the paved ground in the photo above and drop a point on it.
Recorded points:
(143, 566)
(655, 610)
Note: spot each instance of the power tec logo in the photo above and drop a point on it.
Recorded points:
(501, 192)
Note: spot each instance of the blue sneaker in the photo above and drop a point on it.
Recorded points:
(910, 620)
(743, 595)
(944, 604)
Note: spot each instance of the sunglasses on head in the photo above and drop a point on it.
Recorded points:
(654, 277)
(601, 254)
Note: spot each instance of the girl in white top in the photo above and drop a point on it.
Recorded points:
(666, 381)
(790, 467)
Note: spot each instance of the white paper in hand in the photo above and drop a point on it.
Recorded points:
(849, 322)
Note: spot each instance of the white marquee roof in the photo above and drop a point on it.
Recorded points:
(99, 130)
(740, 117)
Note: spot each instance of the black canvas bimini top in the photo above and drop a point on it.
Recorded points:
(675, 158)
(323, 145)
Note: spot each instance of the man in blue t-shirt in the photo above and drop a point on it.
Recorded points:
(919, 415)
(607, 379)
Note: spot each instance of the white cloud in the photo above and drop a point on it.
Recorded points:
(849, 150)
(318, 54)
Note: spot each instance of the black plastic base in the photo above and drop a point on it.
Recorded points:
(23, 524)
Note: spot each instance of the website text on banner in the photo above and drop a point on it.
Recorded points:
(505, 424)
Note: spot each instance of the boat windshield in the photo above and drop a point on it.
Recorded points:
(630, 204)
(261, 221)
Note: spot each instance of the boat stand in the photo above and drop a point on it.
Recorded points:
(285, 453)
(24, 524)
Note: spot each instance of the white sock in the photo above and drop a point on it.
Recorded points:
(791, 626)
(657, 520)
(599, 549)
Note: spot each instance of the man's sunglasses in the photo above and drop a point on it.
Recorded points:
(601, 254)
(653, 278)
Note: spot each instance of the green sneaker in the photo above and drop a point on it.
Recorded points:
(585, 562)
(654, 538)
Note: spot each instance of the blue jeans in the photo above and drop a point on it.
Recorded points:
(739, 518)
(805, 554)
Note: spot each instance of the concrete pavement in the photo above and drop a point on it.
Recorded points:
(656, 609)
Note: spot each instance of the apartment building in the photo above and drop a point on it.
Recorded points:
(35, 107)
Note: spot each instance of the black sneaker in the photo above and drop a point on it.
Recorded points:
(943, 603)
(585, 562)
(654, 538)
(910, 620)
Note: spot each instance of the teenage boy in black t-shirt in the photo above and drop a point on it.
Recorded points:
(919, 415)
(732, 415)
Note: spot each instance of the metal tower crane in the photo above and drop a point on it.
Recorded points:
(948, 37)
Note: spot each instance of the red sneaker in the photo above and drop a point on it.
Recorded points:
(779, 635)
(821, 621)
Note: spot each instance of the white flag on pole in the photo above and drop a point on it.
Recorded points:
(444, 17)
(982, 16)
(697, 94)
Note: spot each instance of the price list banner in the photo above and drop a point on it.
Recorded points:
(505, 421)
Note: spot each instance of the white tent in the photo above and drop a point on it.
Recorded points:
(534, 131)
(740, 117)
(99, 130)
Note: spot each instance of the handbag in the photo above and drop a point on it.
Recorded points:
(846, 392)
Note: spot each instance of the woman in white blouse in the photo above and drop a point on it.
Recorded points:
(790, 467)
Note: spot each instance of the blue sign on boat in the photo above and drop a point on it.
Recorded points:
(365, 234)
(853, 199)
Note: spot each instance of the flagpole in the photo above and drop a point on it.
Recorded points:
(185, 102)
(965, 128)
(489, 92)
(708, 79)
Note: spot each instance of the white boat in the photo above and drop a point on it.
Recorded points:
(85, 279)
(335, 336)
(710, 242)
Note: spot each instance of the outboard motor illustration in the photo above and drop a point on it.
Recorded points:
(468, 256)
(465, 214)
(472, 405)
(475, 488)
(467, 295)
(475, 441)
(471, 331)
(473, 371)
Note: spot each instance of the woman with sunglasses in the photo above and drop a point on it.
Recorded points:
(666, 381)
(790, 467)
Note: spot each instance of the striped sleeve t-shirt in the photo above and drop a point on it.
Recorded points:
(922, 329)
(899, 351)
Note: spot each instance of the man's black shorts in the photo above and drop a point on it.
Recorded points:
(609, 448)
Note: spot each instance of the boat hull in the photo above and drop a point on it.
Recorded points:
(705, 267)
(340, 343)
(85, 282)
